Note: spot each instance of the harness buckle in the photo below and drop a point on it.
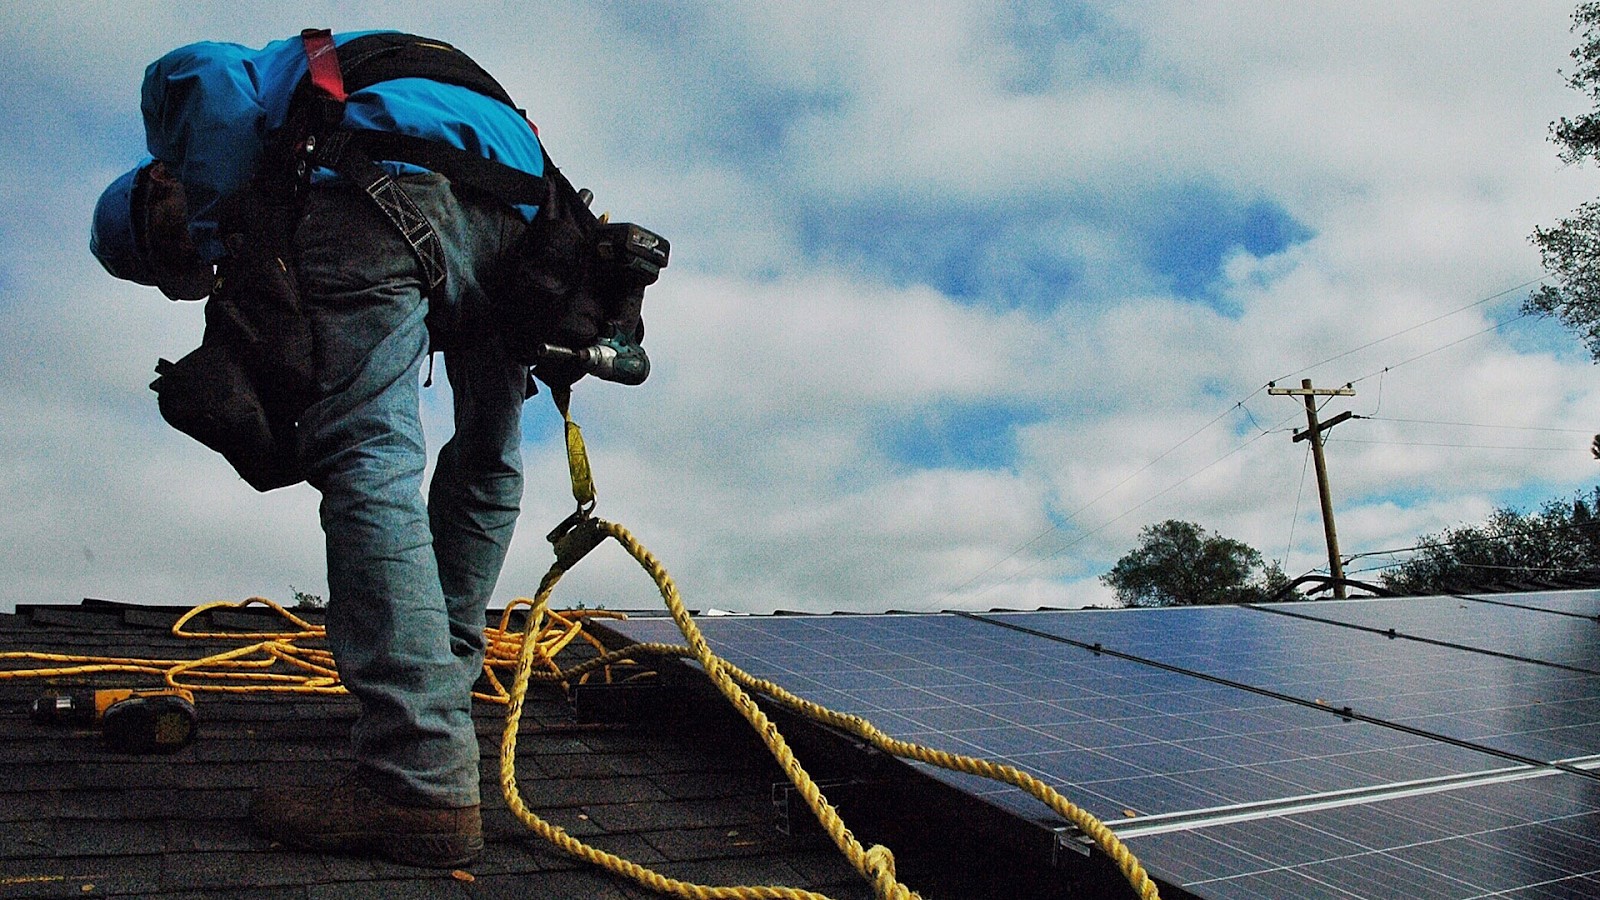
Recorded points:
(579, 516)
(576, 536)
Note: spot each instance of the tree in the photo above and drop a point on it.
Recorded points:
(1570, 251)
(1559, 541)
(307, 601)
(1181, 564)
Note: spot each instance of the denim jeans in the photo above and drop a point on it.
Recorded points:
(409, 580)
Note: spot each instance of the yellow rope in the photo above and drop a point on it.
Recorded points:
(574, 847)
(273, 661)
(875, 864)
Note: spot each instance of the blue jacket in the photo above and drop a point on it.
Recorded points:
(209, 107)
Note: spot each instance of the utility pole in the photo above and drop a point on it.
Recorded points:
(1313, 433)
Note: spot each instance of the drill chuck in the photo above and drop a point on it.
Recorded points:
(609, 359)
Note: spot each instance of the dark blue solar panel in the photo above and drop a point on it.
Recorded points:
(1539, 835)
(1515, 706)
(1219, 750)
(1118, 731)
(1557, 628)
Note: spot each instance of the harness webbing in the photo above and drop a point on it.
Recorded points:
(317, 108)
(323, 63)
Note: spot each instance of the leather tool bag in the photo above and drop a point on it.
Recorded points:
(242, 392)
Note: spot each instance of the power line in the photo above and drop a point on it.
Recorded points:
(1495, 327)
(1564, 570)
(1120, 516)
(1070, 517)
(1460, 446)
(1056, 526)
(1412, 328)
(1561, 569)
(1481, 539)
(1583, 431)
(1294, 519)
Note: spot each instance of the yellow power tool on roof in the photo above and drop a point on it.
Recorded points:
(158, 720)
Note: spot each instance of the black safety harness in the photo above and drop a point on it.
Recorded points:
(572, 300)
(316, 137)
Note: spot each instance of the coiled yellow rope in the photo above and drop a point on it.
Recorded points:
(275, 661)
(875, 864)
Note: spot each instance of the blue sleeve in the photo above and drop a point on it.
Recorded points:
(204, 117)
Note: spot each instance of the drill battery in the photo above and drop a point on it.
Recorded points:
(130, 720)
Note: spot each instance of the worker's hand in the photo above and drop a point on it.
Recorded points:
(558, 373)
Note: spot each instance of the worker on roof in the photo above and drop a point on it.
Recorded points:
(408, 579)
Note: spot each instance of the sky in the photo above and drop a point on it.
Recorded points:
(961, 297)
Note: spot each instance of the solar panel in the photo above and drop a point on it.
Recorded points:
(1243, 752)
(1529, 837)
(1522, 707)
(1580, 603)
(1552, 628)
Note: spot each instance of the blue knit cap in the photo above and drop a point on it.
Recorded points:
(112, 238)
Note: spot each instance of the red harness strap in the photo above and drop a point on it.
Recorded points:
(324, 63)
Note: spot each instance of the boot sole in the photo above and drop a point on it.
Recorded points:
(429, 851)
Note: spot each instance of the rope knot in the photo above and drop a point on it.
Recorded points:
(879, 861)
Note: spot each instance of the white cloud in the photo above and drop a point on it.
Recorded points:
(757, 462)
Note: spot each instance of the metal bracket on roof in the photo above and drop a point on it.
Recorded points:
(786, 798)
(1069, 837)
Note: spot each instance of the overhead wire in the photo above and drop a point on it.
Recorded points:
(1379, 404)
(1294, 518)
(1495, 327)
(1085, 535)
(1280, 427)
(1439, 318)
(1547, 529)
(1458, 446)
(1240, 404)
(1549, 570)
(1056, 526)
(1374, 418)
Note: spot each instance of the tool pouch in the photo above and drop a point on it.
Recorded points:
(242, 392)
(547, 294)
(210, 396)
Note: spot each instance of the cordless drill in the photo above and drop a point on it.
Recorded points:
(630, 259)
(131, 721)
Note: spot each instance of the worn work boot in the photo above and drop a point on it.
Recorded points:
(350, 818)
